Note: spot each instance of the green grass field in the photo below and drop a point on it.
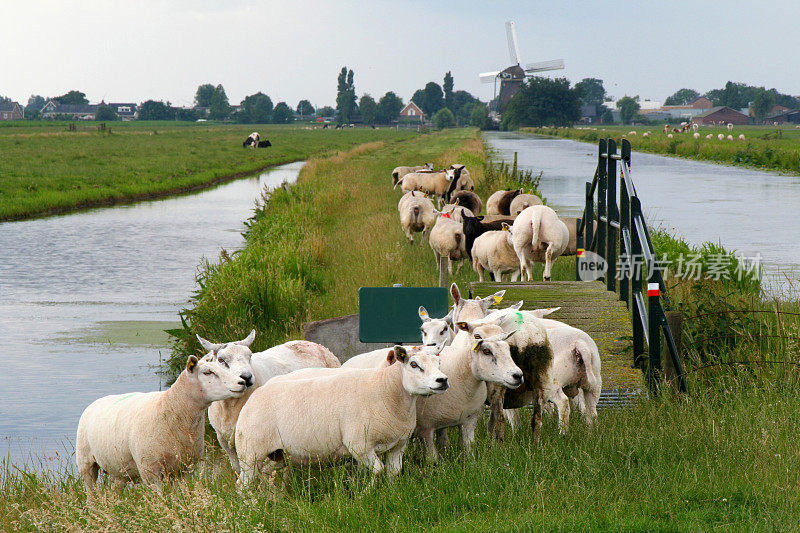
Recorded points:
(722, 457)
(764, 147)
(46, 169)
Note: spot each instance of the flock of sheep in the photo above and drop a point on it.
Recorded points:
(670, 132)
(296, 402)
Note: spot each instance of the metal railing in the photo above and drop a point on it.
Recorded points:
(621, 227)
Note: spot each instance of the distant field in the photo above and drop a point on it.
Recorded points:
(47, 169)
(764, 147)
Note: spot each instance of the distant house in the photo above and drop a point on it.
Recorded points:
(53, 110)
(126, 111)
(11, 111)
(589, 114)
(722, 115)
(696, 107)
(412, 112)
(789, 115)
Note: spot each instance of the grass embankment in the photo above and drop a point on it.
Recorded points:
(46, 169)
(721, 457)
(764, 148)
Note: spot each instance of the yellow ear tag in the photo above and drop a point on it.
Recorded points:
(190, 364)
(497, 299)
(475, 347)
(505, 228)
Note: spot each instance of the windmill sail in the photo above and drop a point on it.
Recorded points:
(513, 46)
(488, 77)
(541, 66)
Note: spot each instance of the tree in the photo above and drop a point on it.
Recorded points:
(368, 109)
(628, 107)
(542, 101)
(219, 109)
(34, 108)
(461, 105)
(155, 110)
(202, 98)
(189, 115)
(480, 116)
(716, 96)
(762, 104)
(305, 108)
(106, 113)
(72, 98)
(682, 97)
(325, 111)
(591, 91)
(345, 96)
(447, 86)
(444, 118)
(731, 96)
(389, 107)
(256, 109)
(282, 114)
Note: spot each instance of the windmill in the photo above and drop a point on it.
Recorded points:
(512, 78)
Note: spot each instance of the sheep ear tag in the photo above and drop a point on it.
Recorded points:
(497, 299)
(476, 345)
(505, 228)
(191, 363)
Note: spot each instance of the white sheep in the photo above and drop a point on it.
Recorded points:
(456, 212)
(670, 136)
(710, 136)
(729, 126)
(494, 251)
(399, 172)
(646, 134)
(305, 417)
(416, 214)
(720, 137)
(447, 240)
(522, 202)
(695, 127)
(696, 135)
(147, 436)
(730, 137)
(486, 357)
(631, 133)
(436, 184)
(741, 136)
(263, 366)
(538, 235)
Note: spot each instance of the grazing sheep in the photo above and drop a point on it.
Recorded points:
(730, 137)
(252, 140)
(147, 436)
(669, 136)
(494, 251)
(729, 126)
(696, 135)
(646, 134)
(473, 228)
(741, 136)
(499, 203)
(447, 240)
(306, 417)
(439, 184)
(710, 136)
(666, 128)
(399, 172)
(631, 133)
(468, 199)
(695, 126)
(539, 235)
(280, 359)
(721, 137)
(485, 357)
(522, 202)
(416, 214)
(463, 181)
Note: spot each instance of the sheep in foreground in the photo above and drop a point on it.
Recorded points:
(148, 436)
(566, 367)
(463, 181)
(522, 202)
(252, 140)
(447, 240)
(467, 199)
(306, 418)
(538, 235)
(499, 203)
(494, 251)
(261, 366)
(416, 214)
(721, 137)
(469, 366)
(399, 172)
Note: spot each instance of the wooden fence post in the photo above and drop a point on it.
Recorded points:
(443, 271)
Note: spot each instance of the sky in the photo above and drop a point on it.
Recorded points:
(293, 49)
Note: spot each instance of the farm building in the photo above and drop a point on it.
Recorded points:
(790, 115)
(11, 111)
(722, 115)
(53, 109)
(412, 112)
(126, 111)
(692, 109)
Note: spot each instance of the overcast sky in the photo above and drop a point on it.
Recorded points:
(290, 49)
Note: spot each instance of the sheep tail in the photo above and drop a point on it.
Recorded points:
(535, 223)
(416, 214)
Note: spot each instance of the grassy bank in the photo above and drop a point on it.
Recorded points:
(46, 169)
(764, 148)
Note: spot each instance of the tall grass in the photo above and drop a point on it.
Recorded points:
(46, 169)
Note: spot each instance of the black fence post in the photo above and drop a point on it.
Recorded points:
(612, 215)
(654, 333)
(588, 228)
(625, 224)
(636, 284)
(601, 198)
(578, 247)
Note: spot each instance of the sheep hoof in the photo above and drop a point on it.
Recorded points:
(547, 278)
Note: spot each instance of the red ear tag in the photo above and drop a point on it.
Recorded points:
(445, 215)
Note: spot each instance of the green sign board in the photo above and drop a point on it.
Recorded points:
(391, 314)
